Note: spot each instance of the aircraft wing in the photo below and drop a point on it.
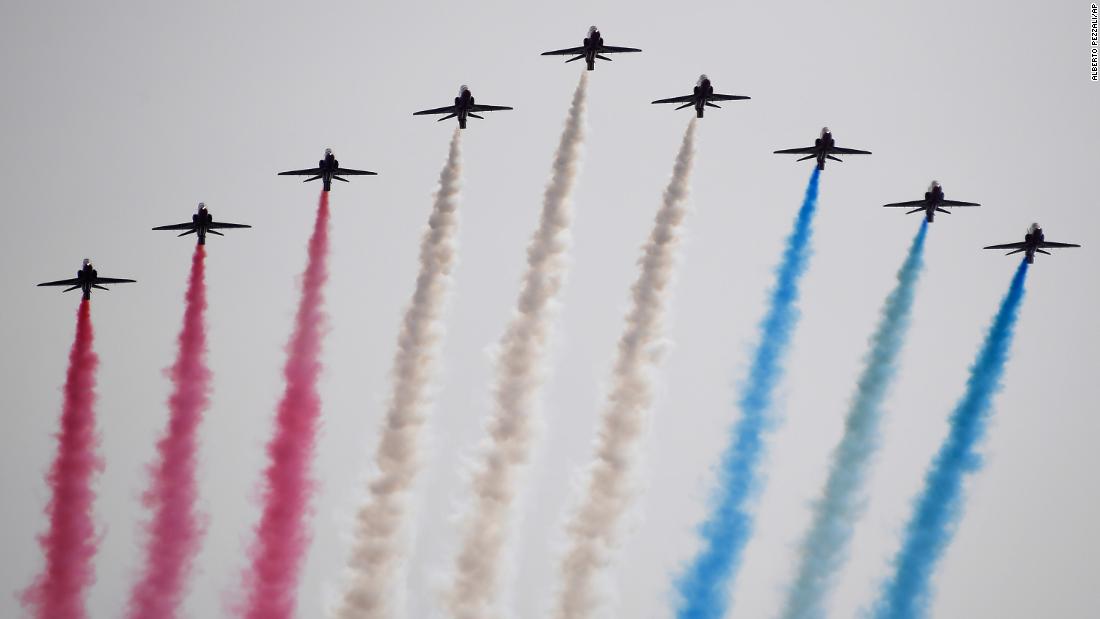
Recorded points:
(683, 99)
(809, 150)
(347, 172)
(477, 107)
(306, 172)
(1019, 245)
(848, 151)
(113, 280)
(221, 225)
(910, 203)
(183, 226)
(728, 98)
(1053, 244)
(958, 203)
(438, 110)
(62, 282)
(571, 51)
(610, 49)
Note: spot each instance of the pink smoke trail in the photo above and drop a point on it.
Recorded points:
(271, 582)
(174, 532)
(70, 542)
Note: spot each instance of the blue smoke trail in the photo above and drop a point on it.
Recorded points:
(824, 548)
(939, 506)
(703, 588)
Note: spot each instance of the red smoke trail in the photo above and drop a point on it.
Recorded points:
(70, 543)
(175, 530)
(281, 537)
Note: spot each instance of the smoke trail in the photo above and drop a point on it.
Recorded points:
(938, 508)
(823, 551)
(70, 542)
(592, 529)
(376, 554)
(519, 375)
(174, 532)
(281, 536)
(703, 588)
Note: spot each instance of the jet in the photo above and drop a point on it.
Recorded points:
(933, 202)
(702, 97)
(326, 170)
(1033, 243)
(464, 106)
(201, 223)
(592, 49)
(824, 148)
(86, 279)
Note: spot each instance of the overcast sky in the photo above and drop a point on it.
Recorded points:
(119, 118)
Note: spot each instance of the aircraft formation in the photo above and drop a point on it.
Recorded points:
(591, 49)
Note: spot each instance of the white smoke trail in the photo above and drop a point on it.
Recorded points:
(519, 375)
(376, 554)
(592, 528)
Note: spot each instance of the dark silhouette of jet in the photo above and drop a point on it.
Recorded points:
(824, 148)
(702, 98)
(932, 203)
(464, 107)
(86, 279)
(1034, 242)
(326, 170)
(591, 49)
(201, 223)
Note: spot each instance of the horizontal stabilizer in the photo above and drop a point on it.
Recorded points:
(191, 231)
(100, 287)
(916, 210)
(686, 105)
(832, 158)
(472, 115)
(312, 178)
(73, 288)
(942, 210)
(341, 179)
(451, 115)
(1043, 251)
(602, 57)
(1016, 251)
(709, 104)
(576, 58)
(215, 232)
(806, 157)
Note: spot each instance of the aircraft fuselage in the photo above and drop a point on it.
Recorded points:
(592, 44)
(823, 144)
(702, 94)
(463, 103)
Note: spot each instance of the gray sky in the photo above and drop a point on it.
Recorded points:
(116, 119)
